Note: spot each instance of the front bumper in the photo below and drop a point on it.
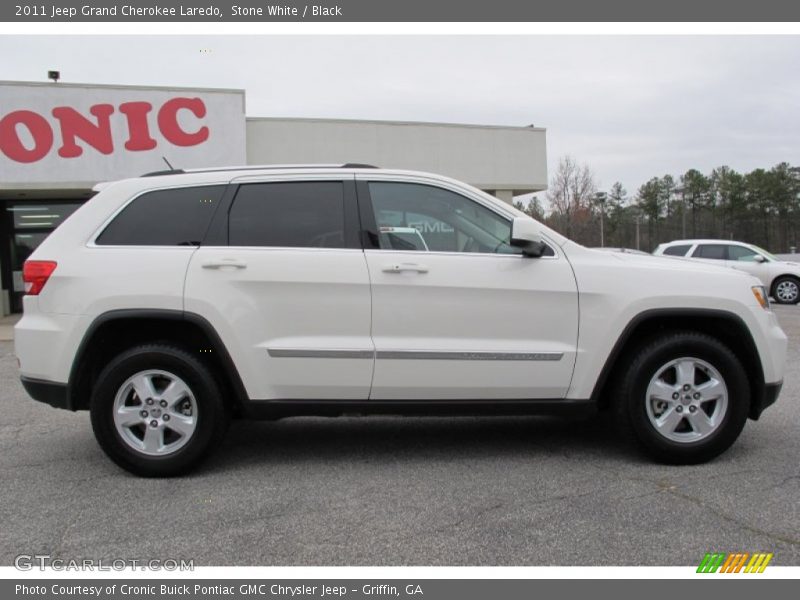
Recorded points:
(49, 392)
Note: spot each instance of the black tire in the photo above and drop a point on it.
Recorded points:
(631, 401)
(208, 411)
(792, 283)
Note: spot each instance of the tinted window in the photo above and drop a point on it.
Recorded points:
(716, 251)
(306, 214)
(677, 250)
(175, 217)
(741, 253)
(444, 221)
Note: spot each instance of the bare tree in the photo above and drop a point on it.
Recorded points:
(571, 191)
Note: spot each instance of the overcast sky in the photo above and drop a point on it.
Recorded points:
(631, 107)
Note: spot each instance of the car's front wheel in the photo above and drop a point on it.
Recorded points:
(684, 397)
(786, 290)
(156, 410)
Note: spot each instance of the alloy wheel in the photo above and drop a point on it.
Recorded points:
(155, 412)
(787, 291)
(687, 400)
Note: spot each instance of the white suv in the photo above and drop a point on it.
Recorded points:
(168, 303)
(781, 278)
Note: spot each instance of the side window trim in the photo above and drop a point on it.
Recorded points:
(217, 234)
(352, 220)
(368, 234)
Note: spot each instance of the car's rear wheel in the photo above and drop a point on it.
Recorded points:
(156, 410)
(684, 397)
(786, 290)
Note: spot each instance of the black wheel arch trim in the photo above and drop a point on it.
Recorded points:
(762, 395)
(241, 397)
(785, 276)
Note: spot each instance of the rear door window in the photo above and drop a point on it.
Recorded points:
(297, 214)
(713, 251)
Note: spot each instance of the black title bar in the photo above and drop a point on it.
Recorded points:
(738, 588)
(402, 11)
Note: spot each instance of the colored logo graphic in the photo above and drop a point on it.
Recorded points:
(734, 562)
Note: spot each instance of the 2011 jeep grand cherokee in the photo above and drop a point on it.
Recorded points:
(169, 303)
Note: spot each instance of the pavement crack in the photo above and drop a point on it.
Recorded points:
(787, 480)
(471, 517)
(65, 534)
(733, 520)
(666, 485)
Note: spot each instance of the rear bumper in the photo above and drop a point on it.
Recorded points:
(766, 399)
(49, 392)
(46, 343)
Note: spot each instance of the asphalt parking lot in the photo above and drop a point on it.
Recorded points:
(402, 491)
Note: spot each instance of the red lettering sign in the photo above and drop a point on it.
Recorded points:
(75, 125)
(138, 130)
(27, 136)
(171, 129)
(38, 128)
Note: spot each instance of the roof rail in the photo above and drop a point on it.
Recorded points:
(261, 168)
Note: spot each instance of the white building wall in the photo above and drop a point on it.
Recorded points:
(509, 159)
(217, 115)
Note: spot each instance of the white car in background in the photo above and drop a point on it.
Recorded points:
(781, 278)
(402, 238)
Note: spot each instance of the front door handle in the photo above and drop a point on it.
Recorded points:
(400, 267)
(223, 263)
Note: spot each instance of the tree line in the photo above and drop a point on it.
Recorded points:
(761, 207)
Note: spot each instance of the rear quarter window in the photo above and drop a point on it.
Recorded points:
(172, 217)
(677, 250)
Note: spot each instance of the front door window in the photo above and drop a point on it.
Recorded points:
(413, 216)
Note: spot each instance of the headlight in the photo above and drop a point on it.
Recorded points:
(760, 292)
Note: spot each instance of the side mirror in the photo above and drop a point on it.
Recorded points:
(759, 258)
(526, 234)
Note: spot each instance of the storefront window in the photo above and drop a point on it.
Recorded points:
(39, 216)
(29, 223)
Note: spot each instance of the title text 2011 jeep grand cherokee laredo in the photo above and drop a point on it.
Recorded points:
(168, 303)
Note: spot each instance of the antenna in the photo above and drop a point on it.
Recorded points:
(171, 168)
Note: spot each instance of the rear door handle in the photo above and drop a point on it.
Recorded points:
(223, 263)
(400, 267)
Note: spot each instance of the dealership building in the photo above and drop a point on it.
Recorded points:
(58, 140)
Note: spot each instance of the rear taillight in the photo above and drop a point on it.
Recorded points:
(35, 274)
